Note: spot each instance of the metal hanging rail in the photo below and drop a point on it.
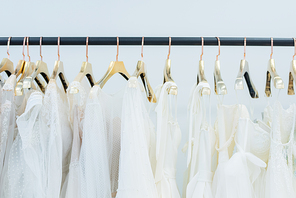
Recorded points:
(181, 41)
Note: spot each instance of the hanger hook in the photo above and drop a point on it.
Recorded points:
(28, 49)
(219, 47)
(271, 44)
(117, 49)
(294, 48)
(24, 43)
(245, 46)
(170, 43)
(8, 43)
(202, 46)
(58, 48)
(86, 49)
(40, 48)
(142, 48)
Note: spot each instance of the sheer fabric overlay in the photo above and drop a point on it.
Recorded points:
(59, 138)
(7, 127)
(25, 175)
(102, 134)
(77, 102)
(135, 173)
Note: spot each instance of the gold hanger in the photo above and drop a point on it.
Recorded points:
(58, 70)
(292, 73)
(244, 72)
(6, 65)
(20, 65)
(27, 70)
(220, 87)
(41, 68)
(272, 75)
(86, 70)
(114, 67)
(201, 72)
(141, 71)
(167, 72)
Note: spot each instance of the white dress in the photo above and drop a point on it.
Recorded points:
(100, 149)
(71, 187)
(25, 174)
(243, 175)
(135, 173)
(38, 160)
(168, 140)
(7, 126)
(201, 147)
(280, 181)
(226, 128)
(59, 138)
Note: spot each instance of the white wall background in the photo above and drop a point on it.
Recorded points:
(159, 18)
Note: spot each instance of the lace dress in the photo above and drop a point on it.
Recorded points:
(226, 128)
(7, 126)
(135, 173)
(71, 187)
(201, 147)
(168, 140)
(280, 181)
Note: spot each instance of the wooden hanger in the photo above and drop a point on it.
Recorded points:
(58, 70)
(6, 65)
(173, 90)
(201, 72)
(85, 71)
(42, 69)
(292, 73)
(244, 72)
(27, 70)
(272, 75)
(114, 67)
(220, 87)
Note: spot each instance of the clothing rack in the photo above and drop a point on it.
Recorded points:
(181, 41)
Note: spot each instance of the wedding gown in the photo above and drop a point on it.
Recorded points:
(7, 126)
(201, 147)
(242, 176)
(77, 102)
(280, 181)
(100, 149)
(58, 138)
(135, 173)
(25, 164)
(226, 128)
(168, 140)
